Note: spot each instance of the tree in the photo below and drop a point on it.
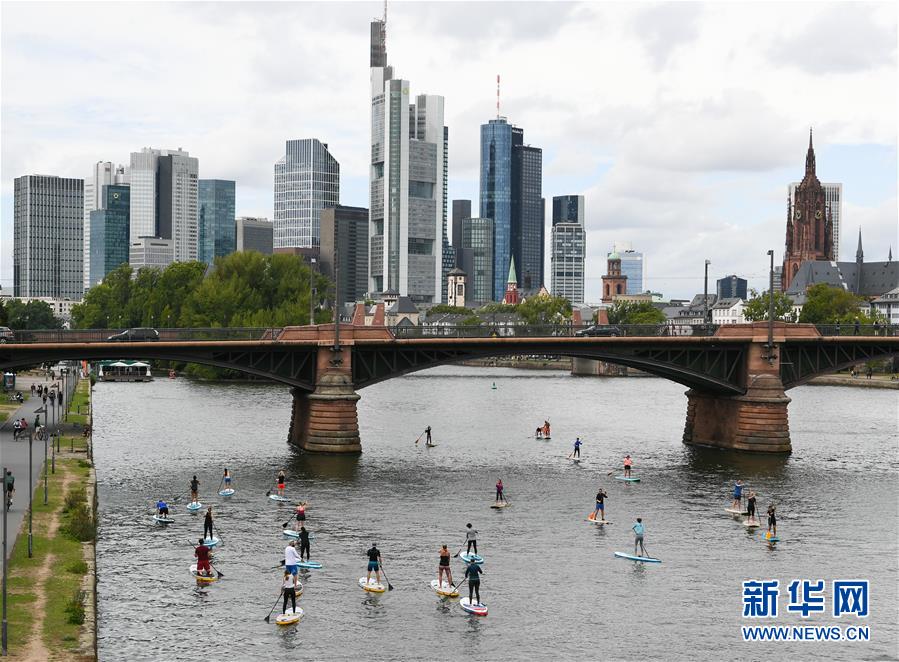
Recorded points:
(31, 315)
(544, 309)
(635, 312)
(831, 305)
(756, 308)
(443, 309)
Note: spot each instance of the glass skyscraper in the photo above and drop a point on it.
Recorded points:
(478, 237)
(568, 247)
(496, 197)
(307, 180)
(110, 236)
(218, 232)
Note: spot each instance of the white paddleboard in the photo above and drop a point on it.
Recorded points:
(475, 608)
(628, 479)
(372, 586)
(501, 504)
(163, 520)
(194, 505)
(227, 492)
(736, 511)
(444, 589)
(275, 497)
(750, 524)
(290, 617)
(430, 445)
(641, 559)
(600, 522)
(202, 578)
(465, 556)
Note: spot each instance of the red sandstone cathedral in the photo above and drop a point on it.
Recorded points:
(809, 224)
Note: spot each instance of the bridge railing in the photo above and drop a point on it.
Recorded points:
(489, 330)
(882, 330)
(105, 335)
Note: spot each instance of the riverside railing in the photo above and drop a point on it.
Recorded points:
(171, 335)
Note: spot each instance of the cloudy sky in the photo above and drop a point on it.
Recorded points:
(682, 123)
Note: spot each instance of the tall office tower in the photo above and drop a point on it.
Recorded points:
(568, 247)
(48, 233)
(109, 231)
(164, 199)
(102, 174)
(478, 238)
(150, 252)
(461, 211)
(512, 195)
(407, 183)
(255, 234)
(833, 199)
(307, 180)
(344, 243)
(217, 230)
(732, 287)
(449, 252)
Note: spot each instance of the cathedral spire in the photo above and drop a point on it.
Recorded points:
(859, 253)
(810, 156)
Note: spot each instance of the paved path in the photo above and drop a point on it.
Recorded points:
(14, 454)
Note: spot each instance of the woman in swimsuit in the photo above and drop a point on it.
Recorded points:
(750, 506)
(444, 567)
(282, 479)
(772, 521)
(301, 515)
(226, 478)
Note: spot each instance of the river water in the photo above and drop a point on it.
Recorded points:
(552, 585)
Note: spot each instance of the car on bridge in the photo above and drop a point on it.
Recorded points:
(135, 335)
(601, 331)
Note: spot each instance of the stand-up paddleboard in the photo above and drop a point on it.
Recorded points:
(592, 519)
(309, 565)
(163, 520)
(202, 578)
(211, 542)
(501, 504)
(430, 445)
(194, 505)
(468, 558)
(445, 590)
(771, 538)
(227, 492)
(736, 511)
(628, 479)
(371, 586)
(750, 524)
(289, 617)
(475, 608)
(545, 437)
(641, 559)
(275, 497)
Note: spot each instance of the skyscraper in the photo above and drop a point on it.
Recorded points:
(461, 211)
(164, 202)
(633, 265)
(512, 195)
(217, 230)
(833, 198)
(307, 180)
(344, 243)
(407, 183)
(255, 234)
(109, 231)
(732, 287)
(48, 237)
(478, 237)
(102, 174)
(568, 247)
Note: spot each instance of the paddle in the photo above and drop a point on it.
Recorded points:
(419, 437)
(221, 482)
(217, 572)
(273, 607)
(389, 586)
(460, 549)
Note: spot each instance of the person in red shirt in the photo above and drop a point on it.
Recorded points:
(202, 554)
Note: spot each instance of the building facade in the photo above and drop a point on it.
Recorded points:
(633, 265)
(732, 287)
(478, 238)
(461, 211)
(344, 249)
(164, 199)
(614, 283)
(833, 198)
(150, 253)
(569, 249)
(103, 173)
(217, 235)
(48, 237)
(809, 226)
(456, 282)
(110, 232)
(254, 234)
(307, 180)
(407, 183)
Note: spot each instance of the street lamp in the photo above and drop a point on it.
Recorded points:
(705, 296)
(3, 651)
(771, 308)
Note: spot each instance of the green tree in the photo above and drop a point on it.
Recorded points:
(756, 308)
(443, 309)
(635, 312)
(544, 309)
(31, 315)
(830, 305)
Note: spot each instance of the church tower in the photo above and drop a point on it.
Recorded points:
(614, 282)
(809, 223)
(511, 296)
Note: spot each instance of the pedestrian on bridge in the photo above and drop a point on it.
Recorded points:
(9, 483)
(32, 390)
(16, 428)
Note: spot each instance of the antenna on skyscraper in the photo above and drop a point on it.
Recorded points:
(497, 96)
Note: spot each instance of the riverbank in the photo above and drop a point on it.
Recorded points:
(529, 364)
(876, 381)
(52, 595)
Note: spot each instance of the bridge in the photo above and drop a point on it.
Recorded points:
(737, 384)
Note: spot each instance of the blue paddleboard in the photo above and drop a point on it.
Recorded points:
(468, 558)
(629, 480)
(194, 505)
(641, 559)
(227, 492)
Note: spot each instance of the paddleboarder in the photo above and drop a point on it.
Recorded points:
(444, 567)
(471, 539)
(539, 433)
(639, 530)
(226, 479)
(772, 521)
(628, 463)
(290, 558)
(194, 489)
(428, 436)
(473, 573)
(162, 508)
(577, 448)
(300, 515)
(304, 543)
(207, 524)
(499, 493)
(282, 480)
(546, 430)
(289, 588)
(600, 505)
(750, 506)
(374, 564)
(202, 553)
(738, 494)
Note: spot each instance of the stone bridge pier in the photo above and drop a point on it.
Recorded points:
(755, 421)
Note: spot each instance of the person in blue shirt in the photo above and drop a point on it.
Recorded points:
(601, 496)
(473, 574)
(577, 448)
(738, 494)
(162, 508)
(639, 530)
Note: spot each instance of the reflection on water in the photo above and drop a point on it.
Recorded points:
(553, 588)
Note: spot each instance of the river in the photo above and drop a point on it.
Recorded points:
(551, 583)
